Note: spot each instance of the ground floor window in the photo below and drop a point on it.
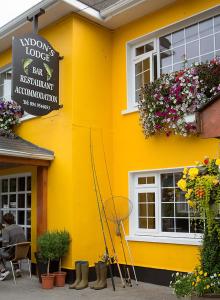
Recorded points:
(160, 207)
(15, 197)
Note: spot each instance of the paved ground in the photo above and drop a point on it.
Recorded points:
(27, 289)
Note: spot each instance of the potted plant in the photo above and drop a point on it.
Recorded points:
(201, 185)
(47, 243)
(63, 241)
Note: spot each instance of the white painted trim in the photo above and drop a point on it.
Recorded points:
(8, 152)
(119, 7)
(129, 110)
(164, 240)
(27, 117)
(84, 9)
(157, 236)
(130, 45)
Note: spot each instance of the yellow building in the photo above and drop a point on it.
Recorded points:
(99, 83)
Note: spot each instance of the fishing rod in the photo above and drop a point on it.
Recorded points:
(119, 223)
(99, 210)
(106, 220)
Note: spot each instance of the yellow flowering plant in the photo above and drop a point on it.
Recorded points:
(201, 185)
(197, 283)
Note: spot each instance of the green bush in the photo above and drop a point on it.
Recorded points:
(63, 241)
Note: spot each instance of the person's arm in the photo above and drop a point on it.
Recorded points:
(5, 238)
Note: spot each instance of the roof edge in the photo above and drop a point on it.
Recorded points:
(26, 154)
(119, 7)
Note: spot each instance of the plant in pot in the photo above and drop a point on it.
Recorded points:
(63, 241)
(202, 192)
(47, 243)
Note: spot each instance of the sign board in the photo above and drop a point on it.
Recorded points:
(35, 74)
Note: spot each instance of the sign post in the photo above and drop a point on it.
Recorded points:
(35, 79)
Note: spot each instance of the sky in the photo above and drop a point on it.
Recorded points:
(10, 9)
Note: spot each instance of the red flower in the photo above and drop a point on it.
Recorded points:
(206, 161)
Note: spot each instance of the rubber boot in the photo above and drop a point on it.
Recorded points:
(85, 272)
(78, 275)
(97, 270)
(103, 277)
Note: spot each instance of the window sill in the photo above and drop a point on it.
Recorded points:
(129, 110)
(165, 240)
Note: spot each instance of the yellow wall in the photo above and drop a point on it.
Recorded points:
(131, 151)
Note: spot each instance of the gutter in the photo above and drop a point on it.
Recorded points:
(119, 7)
(20, 20)
(26, 154)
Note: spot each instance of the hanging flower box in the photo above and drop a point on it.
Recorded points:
(166, 103)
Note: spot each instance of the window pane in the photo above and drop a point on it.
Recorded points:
(217, 23)
(142, 223)
(5, 201)
(147, 77)
(167, 209)
(178, 54)
(21, 200)
(28, 200)
(142, 197)
(139, 50)
(206, 28)
(182, 225)
(28, 234)
(151, 223)
(165, 42)
(151, 180)
(192, 61)
(206, 45)
(165, 59)
(178, 38)
(181, 210)
(179, 196)
(21, 218)
(151, 210)
(167, 180)
(196, 226)
(28, 217)
(13, 185)
(217, 41)
(150, 197)
(21, 184)
(192, 49)
(146, 64)
(29, 183)
(149, 47)
(138, 68)
(142, 180)
(178, 67)
(138, 81)
(12, 199)
(168, 225)
(142, 210)
(155, 66)
(191, 33)
(166, 70)
(138, 95)
(207, 57)
(177, 177)
(4, 185)
(167, 195)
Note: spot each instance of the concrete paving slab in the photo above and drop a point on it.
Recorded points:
(30, 289)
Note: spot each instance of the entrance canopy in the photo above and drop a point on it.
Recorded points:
(18, 151)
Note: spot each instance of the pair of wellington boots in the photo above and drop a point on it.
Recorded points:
(101, 275)
(82, 271)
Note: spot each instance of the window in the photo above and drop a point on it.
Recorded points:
(199, 42)
(5, 88)
(160, 207)
(15, 197)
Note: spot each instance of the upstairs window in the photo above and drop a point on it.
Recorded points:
(199, 42)
(5, 85)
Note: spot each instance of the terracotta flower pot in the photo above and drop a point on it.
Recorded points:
(59, 279)
(47, 281)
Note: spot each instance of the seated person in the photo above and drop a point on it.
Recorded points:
(11, 234)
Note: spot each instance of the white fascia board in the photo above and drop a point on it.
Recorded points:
(8, 152)
(21, 19)
(84, 9)
(119, 7)
(76, 5)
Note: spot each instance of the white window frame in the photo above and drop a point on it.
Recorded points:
(5, 69)
(145, 235)
(154, 36)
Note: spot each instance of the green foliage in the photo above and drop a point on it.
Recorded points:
(210, 252)
(182, 284)
(53, 245)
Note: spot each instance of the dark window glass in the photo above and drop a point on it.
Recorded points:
(5, 201)
(167, 195)
(165, 42)
(12, 184)
(4, 185)
(167, 180)
(142, 223)
(182, 225)
(151, 223)
(142, 210)
(167, 209)
(21, 200)
(28, 217)
(168, 225)
(21, 184)
(29, 183)
(28, 200)
(12, 203)
(181, 210)
(21, 217)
